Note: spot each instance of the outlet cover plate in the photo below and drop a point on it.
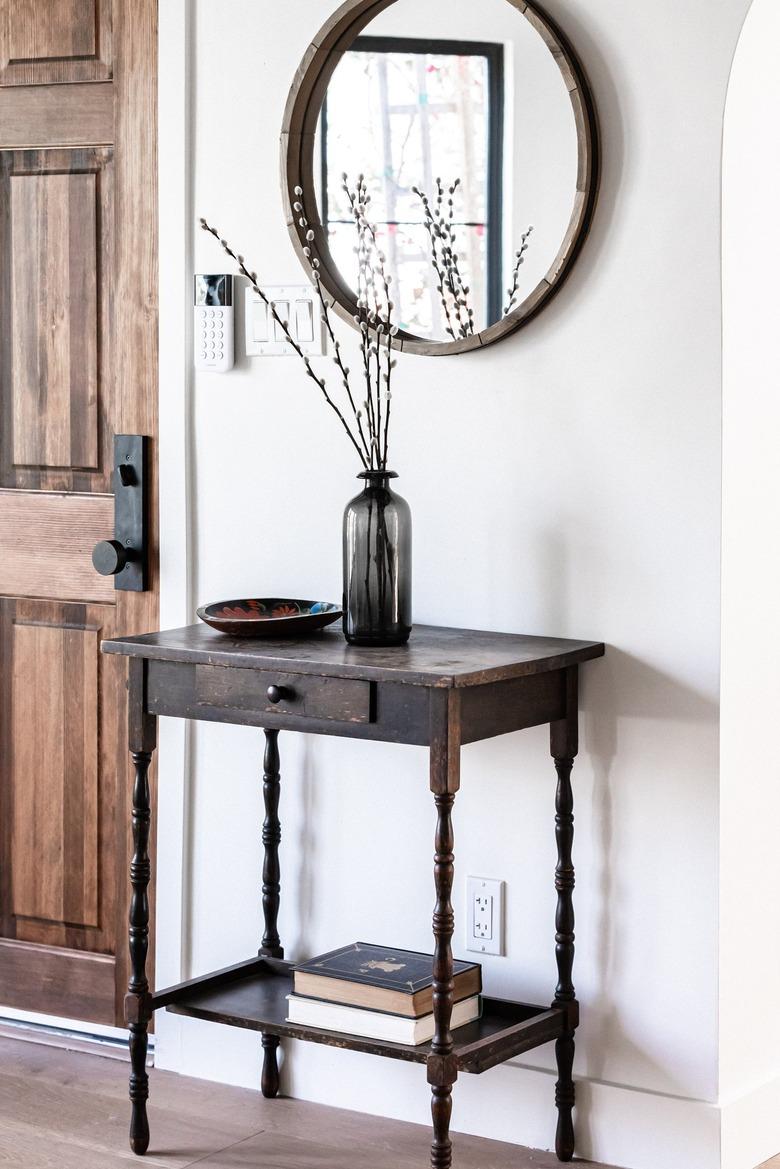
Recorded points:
(485, 916)
(299, 305)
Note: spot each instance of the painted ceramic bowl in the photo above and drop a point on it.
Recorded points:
(269, 617)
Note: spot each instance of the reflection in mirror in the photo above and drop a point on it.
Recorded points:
(466, 144)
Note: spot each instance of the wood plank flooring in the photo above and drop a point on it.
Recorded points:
(68, 1110)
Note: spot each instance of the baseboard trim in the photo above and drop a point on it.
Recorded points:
(615, 1125)
(750, 1128)
(68, 1037)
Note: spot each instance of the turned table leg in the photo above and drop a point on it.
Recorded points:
(445, 781)
(563, 746)
(138, 1011)
(443, 987)
(271, 944)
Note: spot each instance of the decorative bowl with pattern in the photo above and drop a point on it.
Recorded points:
(269, 616)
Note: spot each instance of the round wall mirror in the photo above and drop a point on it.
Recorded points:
(472, 130)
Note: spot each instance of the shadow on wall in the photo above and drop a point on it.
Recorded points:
(623, 687)
(612, 134)
(306, 848)
(615, 690)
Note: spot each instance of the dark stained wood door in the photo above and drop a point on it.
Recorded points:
(78, 363)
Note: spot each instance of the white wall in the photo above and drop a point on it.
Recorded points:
(750, 770)
(565, 482)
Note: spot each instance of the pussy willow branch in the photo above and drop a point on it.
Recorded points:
(445, 261)
(519, 261)
(373, 319)
(338, 360)
(371, 293)
(458, 281)
(452, 289)
(252, 278)
(449, 255)
(390, 366)
(381, 324)
(363, 315)
(325, 317)
(430, 227)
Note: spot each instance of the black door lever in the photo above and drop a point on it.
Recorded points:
(125, 556)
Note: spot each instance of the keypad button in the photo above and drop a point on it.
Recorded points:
(202, 313)
(211, 312)
(218, 312)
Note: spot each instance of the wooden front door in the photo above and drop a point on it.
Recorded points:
(78, 363)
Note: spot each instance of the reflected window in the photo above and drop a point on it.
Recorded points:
(405, 112)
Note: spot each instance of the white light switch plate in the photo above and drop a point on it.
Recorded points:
(485, 916)
(299, 305)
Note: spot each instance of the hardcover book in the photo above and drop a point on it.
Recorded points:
(375, 1024)
(398, 982)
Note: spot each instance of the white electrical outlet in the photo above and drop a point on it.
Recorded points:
(485, 916)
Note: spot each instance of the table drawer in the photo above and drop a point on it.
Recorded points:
(273, 692)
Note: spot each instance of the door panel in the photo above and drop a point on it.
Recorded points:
(62, 528)
(44, 41)
(54, 274)
(69, 115)
(54, 775)
(66, 983)
(56, 212)
(78, 251)
(62, 723)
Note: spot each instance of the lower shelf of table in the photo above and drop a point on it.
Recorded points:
(253, 995)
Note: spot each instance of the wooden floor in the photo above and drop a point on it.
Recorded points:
(66, 1110)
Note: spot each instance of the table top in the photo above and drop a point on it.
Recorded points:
(434, 656)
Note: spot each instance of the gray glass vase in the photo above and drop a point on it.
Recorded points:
(377, 564)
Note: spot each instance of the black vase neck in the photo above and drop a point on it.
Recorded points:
(377, 478)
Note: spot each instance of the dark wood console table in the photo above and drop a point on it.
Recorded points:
(447, 688)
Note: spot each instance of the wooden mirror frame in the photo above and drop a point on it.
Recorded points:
(301, 119)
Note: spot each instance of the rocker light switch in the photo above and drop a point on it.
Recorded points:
(304, 321)
(299, 306)
(282, 308)
(257, 321)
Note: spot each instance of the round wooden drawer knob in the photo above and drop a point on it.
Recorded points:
(275, 694)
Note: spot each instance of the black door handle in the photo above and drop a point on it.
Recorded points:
(125, 556)
(109, 557)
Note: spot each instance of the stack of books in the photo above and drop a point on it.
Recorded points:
(379, 994)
